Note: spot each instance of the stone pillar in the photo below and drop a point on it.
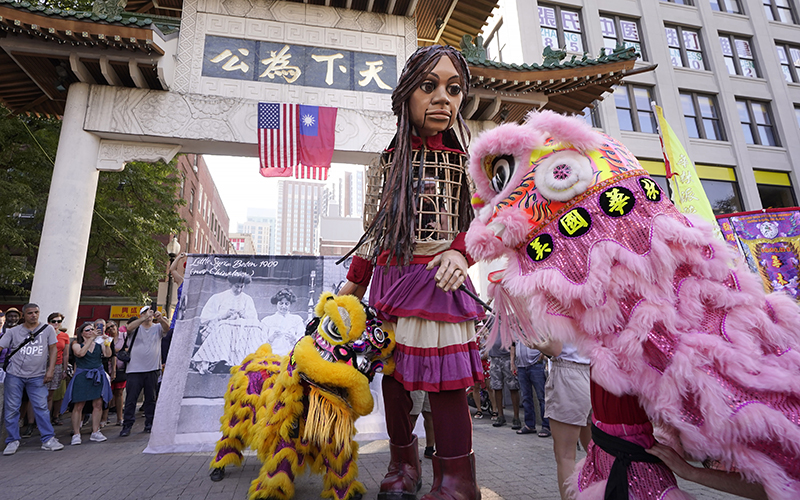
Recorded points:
(65, 236)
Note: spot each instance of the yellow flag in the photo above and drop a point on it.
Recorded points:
(687, 190)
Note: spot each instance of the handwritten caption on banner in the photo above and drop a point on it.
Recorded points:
(273, 62)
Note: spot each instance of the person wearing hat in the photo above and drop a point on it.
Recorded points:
(12, 318)
(145, 334)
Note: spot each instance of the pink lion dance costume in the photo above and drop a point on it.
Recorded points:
(599, 257)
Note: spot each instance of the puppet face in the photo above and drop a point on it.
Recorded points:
(343, 348)
(434, 104)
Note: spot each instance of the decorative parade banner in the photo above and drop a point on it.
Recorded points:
(769, 240)
(230, 305)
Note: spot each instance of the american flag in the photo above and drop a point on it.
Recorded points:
(277, 138)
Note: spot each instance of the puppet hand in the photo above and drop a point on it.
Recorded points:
(452, 271)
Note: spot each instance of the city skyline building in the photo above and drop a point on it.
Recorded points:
(261, 223)
(728, 78)
(299, 206)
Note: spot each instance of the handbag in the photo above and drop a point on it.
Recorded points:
(124, 354)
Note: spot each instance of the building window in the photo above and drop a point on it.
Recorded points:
(789, 57)
(684, 47)
(738, 53)
(681, 2)
(797, 115)
(494, 44)
(633, 108)
(730, 6)
(724, 196)
(620, 30)
(719, 184)
(779, 10)
(757, 123)
(702, 118)
(775, 189)
(561, 28)
(191, 201)
(183, 185)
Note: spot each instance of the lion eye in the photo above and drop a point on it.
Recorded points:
(502, 170)
(329, 327)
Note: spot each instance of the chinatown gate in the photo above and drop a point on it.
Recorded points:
(145, 85)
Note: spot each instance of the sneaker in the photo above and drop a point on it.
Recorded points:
(11, 448)
(97, 437)
(27, 431)
(76, 440)
(126, 431)
(148, 429)
(53, 444)
(500, 422)
(516, 424)
(86, 420)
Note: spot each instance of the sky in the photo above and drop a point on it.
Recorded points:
(241, 186)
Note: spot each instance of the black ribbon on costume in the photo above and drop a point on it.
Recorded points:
(624, 453)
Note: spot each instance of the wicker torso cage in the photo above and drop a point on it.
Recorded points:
(439, 196)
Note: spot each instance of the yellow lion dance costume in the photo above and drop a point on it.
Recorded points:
(300, 410)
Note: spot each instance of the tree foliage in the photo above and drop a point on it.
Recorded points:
(132, 209)
(82, 5)
(27, 145)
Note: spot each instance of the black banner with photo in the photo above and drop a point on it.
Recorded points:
(229, 306)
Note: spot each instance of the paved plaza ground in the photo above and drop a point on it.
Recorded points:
(510, 467)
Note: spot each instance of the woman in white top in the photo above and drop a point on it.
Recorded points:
(283, 329)
(568, 405)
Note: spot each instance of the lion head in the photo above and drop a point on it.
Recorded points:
(343, 348)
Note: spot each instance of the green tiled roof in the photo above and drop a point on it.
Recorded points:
(475, 55)
(165, 24)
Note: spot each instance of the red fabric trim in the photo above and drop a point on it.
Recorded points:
(460, 245)
(420, 313)
(360, 271)
(383, 259)
(763, 210)
(432, 143)
(450, 385)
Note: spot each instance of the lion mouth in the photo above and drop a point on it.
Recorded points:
(338, 392)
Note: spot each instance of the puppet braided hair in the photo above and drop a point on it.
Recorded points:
(394, 226)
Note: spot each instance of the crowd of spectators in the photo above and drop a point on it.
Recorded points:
(45, 373)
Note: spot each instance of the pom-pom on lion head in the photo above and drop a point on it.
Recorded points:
(343, 348)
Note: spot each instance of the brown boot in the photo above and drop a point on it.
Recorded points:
(454, 479)
(403, 480)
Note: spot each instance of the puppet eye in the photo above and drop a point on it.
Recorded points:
(329, 328)
(563, 175)
(502, 168)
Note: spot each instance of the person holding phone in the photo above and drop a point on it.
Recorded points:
(144, 367)
(89, 382)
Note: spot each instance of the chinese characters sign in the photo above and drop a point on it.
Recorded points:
(298, 65)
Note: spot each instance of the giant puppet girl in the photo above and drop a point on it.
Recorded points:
(678, 333)
(414, 240)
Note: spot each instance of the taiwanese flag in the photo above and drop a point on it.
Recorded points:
(316, 137)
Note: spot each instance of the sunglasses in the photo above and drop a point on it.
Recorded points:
(56, 321)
